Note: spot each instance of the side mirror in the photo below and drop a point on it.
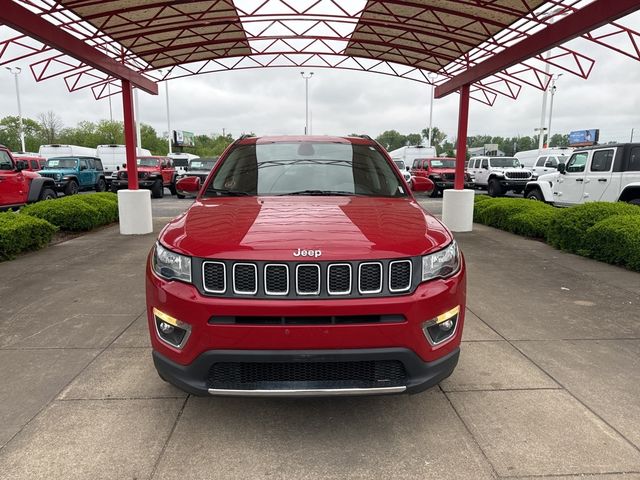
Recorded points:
(188, 184)
(118, 167)
(422, 184)
(562, 168)
(21, 165)
(407, 167)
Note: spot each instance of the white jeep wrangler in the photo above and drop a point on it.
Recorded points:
(499, 174)
(604, 173)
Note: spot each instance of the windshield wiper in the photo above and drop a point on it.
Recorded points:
(232, 193)
(320, 193)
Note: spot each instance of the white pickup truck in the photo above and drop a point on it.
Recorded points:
(604, 173)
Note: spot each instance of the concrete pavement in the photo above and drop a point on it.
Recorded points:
(548, 384)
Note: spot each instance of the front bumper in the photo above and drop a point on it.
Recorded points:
(208, 343)
(419, 375)
(514, 183)
(123, 184)
(445, 184)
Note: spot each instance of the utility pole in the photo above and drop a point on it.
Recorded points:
(15, 71)
(553, 92)
(431, 76)
(109, 97)
(306, 111)
(632, 135)
(166, 89)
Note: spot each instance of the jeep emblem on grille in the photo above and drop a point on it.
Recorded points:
(307, 253)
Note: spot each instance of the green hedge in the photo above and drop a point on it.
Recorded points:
(76, 213)
(21, 233)
(515, 215)
(615, 240)
(567, 231)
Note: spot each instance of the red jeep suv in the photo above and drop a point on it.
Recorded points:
(305, 267)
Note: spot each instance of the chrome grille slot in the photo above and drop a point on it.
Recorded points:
(245, 278)
(276, 279)
(400, 276)
(339, 279)
(214, 277)
(370, 277)
(308, 279)
(518, 175)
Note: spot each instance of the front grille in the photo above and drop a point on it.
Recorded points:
(308, 375)
(449, 176)
(518, 175)
(245, 278)
(400, 276)
(370, 278)
(48, 175)
(306, 280)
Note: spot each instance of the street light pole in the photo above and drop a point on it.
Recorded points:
(552, 90)
(306, 111)
(15, 71)
(431, 76)
(166, 87)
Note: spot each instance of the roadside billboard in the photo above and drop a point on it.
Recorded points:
(182, 138)
(583, 138)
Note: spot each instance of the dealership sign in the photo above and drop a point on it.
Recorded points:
(583, 138)
(184, 139)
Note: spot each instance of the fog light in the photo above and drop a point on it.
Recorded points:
(441, 328)
(171, 330)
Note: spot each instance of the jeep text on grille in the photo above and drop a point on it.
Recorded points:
(305, 267)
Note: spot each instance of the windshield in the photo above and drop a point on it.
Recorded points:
(61, 162)
(305, 168)
(443, 163)
(147, 162)
(201, 164)
(400, 164)
(505, 162)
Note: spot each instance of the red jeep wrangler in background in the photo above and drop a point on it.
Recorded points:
(441, 171)
(19, 186)
(305, 267)
(33, 163)
(154, 173)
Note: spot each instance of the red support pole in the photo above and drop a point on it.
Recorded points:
(461, 149)
(129, 134)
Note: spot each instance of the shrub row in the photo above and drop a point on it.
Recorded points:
(21, 233)
(76, 213)
(609, 232)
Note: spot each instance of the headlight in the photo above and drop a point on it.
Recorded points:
(171, 265)
(144, 175)
(436, 177)
(58, 176)
(441, 264)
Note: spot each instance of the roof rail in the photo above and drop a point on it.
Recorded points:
(366, 137)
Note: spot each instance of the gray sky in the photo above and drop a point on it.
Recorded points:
(271, 101)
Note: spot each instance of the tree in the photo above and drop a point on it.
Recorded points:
(51, 124)
(391, 140)
(151, 141)
(10, 133)
(559, 140)
(438, 137)
(413, 139)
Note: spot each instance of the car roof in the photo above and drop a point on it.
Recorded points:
(306, 138)
(605, 145)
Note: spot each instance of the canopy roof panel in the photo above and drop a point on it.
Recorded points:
(423, 40)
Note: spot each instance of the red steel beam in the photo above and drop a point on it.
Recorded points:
(129, 135)
(461, 149)
(32, 25)
(592, 16)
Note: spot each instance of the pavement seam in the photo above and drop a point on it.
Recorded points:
(466, 427)
(166, 443)
(576, 475)
(55, 396)
(524, 389)
(587, 407)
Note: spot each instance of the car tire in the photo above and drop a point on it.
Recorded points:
(114, 189)
(535, 194)
(435, 192)
(179, 195)
(157, 189)
(494, 188)
(101, 186)
(71, 188)
(172, 187)
(47, 193)
(635, 201)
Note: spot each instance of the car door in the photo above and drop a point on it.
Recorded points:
(84, 175)
(538, 167)
(598, 176)
(482, 173)
(11, 182)
(571, 183)
(167, 172)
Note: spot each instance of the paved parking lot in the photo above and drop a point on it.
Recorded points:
(548, 384)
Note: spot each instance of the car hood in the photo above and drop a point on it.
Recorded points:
(509, 169)
(273, 228)
(63, 171)
(549, 177)
(443, 170)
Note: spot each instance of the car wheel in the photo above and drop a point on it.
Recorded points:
(535, 194)
(157, 189)
(114, 189)
(172, 188)
(71, 188)
(101, 186)
(635, 201)
(435, 192)
(179, 195)
(47, 194)
(494, 188)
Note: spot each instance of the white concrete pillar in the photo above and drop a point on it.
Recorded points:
(134, 207)
(457, 210)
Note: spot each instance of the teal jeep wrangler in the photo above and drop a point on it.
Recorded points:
(73, 174)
